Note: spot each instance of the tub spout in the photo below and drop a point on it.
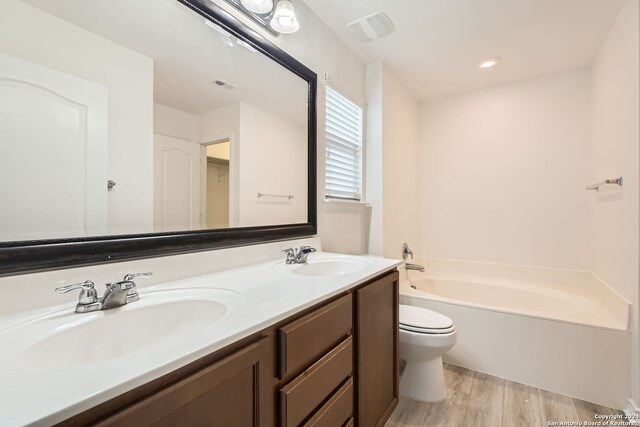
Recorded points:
(410, 266)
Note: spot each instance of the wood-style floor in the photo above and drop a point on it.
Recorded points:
(479, 400)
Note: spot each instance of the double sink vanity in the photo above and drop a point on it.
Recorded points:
(313, 343)
(160, 167)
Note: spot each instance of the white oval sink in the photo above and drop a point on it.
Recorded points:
(331, 267)
(64, 339)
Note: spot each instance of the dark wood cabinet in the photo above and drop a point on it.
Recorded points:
(306, 339)
(334, 364)
(377, 350)
(234, 391)
(304, 395)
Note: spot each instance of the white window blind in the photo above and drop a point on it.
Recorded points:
(344, 147)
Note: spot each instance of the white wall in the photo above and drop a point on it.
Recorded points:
(272, 160)
(503, 171)
(374, 178)
(400, 166)
(175, 123)
(56, 44)
(615, 152)
(219, 124)
(392, 164)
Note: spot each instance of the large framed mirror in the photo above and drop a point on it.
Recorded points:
(147, 128)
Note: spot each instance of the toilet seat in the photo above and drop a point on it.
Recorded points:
(424, 321)
(426, 330)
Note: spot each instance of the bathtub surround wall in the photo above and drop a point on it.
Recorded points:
(130, 91)
(615, 152)
(503, 172)
(392, 167)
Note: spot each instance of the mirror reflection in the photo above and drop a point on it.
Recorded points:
(120, 117)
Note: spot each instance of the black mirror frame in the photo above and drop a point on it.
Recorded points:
(42, 255)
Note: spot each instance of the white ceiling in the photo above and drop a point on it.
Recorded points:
(437, 44)
(188, 55)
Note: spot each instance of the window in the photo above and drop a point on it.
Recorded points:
(344, 148)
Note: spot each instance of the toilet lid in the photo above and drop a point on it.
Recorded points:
(420, 319)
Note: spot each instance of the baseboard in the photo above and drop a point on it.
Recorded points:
(632, 412)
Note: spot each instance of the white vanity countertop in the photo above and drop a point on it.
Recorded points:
(43, 393)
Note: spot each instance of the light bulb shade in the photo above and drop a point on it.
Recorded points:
(284, 18)
(258, 6)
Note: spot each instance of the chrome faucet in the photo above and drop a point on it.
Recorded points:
(116, 294)
(298, 256)
(406, 252)
(410, 266)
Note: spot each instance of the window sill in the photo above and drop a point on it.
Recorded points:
(344, 205)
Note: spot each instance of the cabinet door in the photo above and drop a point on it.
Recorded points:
(234, 391)
(377, 348)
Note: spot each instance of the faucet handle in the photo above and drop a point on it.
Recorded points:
(88, 294)
(291, 255)
(86, 285)
(306, 250)
(130, 276)
(132, 292)
(406, 251)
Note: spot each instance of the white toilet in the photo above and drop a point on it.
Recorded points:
(425, 336)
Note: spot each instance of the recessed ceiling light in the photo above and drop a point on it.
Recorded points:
(489, 63)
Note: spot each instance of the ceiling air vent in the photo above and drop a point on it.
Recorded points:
(224, 84)
(371, 27)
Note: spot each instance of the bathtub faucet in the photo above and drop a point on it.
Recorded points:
(406, 253)
(410, 266)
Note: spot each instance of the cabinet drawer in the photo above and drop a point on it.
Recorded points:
(306, 392)
(305, 340)
(337, 411)
(233, 391)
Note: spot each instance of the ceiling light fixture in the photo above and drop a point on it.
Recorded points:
(284, 18)
(246, 7)
(258, 6)
(487, 63)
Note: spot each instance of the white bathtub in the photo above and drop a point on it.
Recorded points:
(559, 330)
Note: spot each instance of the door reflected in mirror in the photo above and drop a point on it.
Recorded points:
(193, 128)
(217, 191)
